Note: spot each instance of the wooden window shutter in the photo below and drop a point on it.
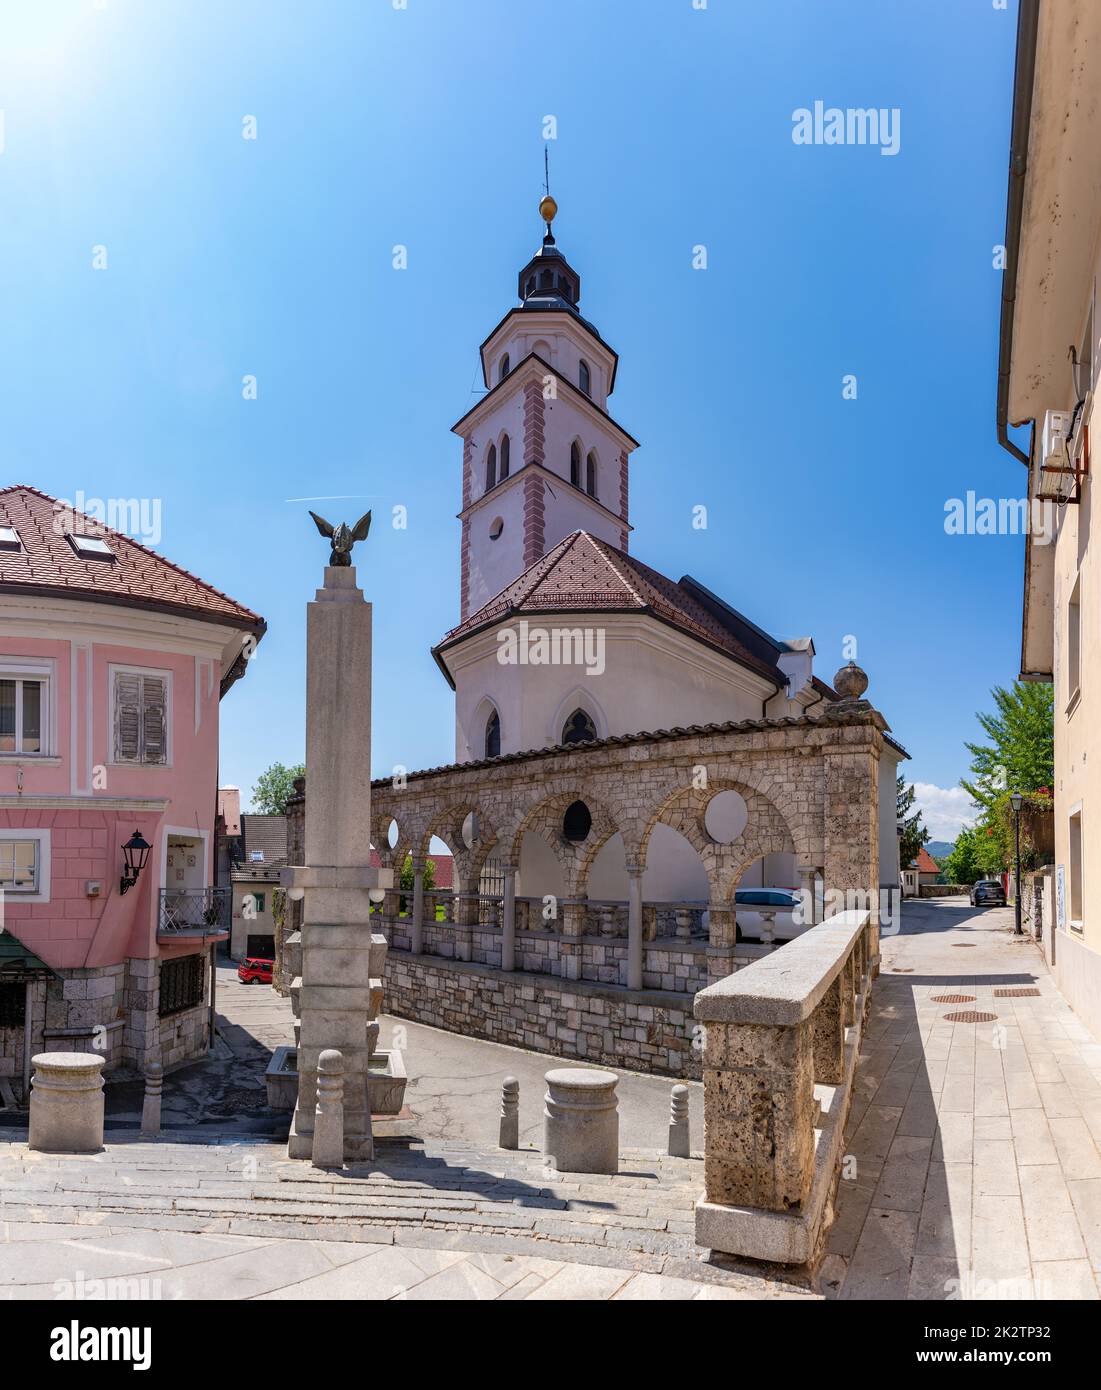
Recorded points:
(141, 718)
(127, 717)
(154, 720)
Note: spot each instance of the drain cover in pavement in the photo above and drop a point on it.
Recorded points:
(961, 944)
(970, 1016)
(902, 969)
(953, 998)
(1016, 993)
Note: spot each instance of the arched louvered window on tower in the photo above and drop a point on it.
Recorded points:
(502, 371)
(506, 450)
(579, 728)
(491, 467)
(590, 475)
(493, 735)
(584, 378)
(575, 464)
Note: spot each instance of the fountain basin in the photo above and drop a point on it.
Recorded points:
(386, 1080)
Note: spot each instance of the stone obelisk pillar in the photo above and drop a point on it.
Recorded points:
(334, 990)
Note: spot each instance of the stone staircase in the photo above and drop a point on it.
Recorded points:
(436, 1195)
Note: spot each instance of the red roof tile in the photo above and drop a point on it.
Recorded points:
(586, 575)
(925, 863)
(46, 561)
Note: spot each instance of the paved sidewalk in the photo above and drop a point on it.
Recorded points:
(976, 1168)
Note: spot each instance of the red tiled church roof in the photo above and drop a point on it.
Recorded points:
(583, 574)
(47, 562)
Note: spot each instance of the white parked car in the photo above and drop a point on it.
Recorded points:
(778, 908)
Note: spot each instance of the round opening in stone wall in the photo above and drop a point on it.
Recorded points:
(726, 817)
(496, 526)
(392, 833)
(577, 822)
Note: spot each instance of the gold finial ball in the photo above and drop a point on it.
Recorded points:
(548, 209)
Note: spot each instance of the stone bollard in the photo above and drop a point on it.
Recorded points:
(67, 1103)
(510, 1114)
(328, 1126)
(680, 1145)
(581, 1121)
(151, 1106)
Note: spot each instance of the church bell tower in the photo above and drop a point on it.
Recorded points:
(542, 456)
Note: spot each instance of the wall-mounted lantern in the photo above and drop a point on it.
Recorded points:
(134, 853)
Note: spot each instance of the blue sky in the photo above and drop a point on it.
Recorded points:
(423, 126)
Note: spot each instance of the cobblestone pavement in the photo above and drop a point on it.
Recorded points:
(454, 1081)
(977, 1172)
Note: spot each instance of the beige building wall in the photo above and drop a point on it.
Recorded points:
(1053, 296)
(261, 923)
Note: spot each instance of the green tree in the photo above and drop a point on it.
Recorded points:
(273, 787)
(1021, 753)
(405, 878)
(912, 834)
(962, 864)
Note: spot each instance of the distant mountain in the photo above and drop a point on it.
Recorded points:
(939, 849)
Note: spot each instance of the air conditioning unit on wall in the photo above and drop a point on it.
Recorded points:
(1057, 479)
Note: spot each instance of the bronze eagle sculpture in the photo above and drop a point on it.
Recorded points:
(343, 537)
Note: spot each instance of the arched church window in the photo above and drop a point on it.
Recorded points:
(506, 450)
(493, 735)
(575, 463)
(502, 371)
(546, 280)
(579, 728)
(584, 378)
(590, 475)
(491, 467)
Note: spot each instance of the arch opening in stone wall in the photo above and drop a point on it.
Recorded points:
(552, 853)
(731, 825)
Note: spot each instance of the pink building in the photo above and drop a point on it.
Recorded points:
(112, 665)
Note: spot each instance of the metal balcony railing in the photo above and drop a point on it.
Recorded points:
(194, 911)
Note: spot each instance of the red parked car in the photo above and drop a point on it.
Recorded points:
(254, 969)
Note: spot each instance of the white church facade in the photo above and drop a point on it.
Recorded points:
(564, 636)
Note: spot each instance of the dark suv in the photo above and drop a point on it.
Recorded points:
(988, 892)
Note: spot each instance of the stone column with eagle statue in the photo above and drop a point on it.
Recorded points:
(337, 963)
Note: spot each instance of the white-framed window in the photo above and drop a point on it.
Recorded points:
(1074, 645)
(1076, 905)
(141, 717)
(25, 865)
(24, 708)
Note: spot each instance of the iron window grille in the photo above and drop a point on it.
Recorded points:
(182, 984)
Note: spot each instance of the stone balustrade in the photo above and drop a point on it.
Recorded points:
(781, 1040)
(684, 945)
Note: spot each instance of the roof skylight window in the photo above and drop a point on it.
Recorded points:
(90, 547)
(9, 538)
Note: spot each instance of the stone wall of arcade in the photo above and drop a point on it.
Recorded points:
(571, 975)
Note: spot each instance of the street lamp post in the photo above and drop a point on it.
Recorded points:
(1016, 801)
